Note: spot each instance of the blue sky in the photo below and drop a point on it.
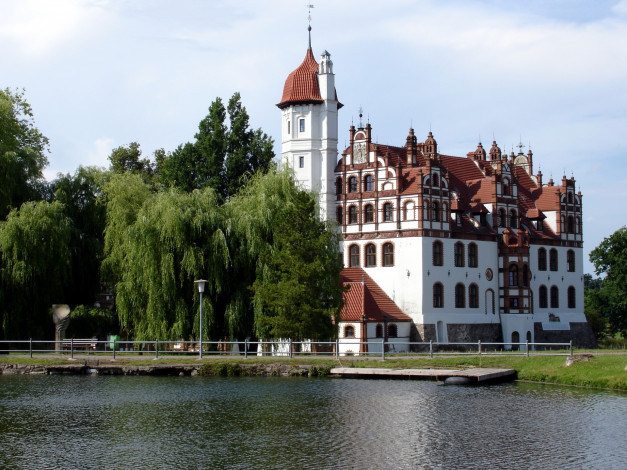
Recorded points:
(552, 74)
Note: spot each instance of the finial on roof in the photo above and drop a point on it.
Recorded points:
(309, 7)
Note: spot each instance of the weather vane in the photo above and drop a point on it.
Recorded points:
(309, 7)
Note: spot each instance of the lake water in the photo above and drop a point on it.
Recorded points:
(193, 422)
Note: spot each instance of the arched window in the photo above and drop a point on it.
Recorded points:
(473, 296)
(338, 215)
(459, 254)
(438, 295)
(349, 331)
(352, 215)
(379, 331)
(570, 261)
(571, 224)
(541, 259)
(387, 212)
(553, 259)
(542, 297)
(371, 256)
(502, 218)
(354, 256)
(408, 210)
(515, 340)
(505, 187)
(460, 296)
(555, 297)
(572, 297)
(368, 183)
(369, 213)
(392, 331)
(352, 184)
(513, 219)
(570, 198)
(338, 185)
(388, 254)
(578, 225)
(513, 275)
(435, 214)
(472, 256)
(437, 253)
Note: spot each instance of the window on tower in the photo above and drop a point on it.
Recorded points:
(301, 162)
(288, 127)
(301, 124)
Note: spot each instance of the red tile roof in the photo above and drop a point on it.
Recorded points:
(302, 85)
(365, 297)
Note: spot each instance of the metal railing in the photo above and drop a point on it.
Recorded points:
(281, 348)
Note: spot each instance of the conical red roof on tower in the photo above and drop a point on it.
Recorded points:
(301, 85)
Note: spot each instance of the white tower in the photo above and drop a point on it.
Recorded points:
(309, 127)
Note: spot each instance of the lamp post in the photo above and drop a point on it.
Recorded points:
(201, 283)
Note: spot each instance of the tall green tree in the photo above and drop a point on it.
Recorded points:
(610, 261)
(81, 195)
(296, 292)
(35, 266)
(22, 152)
(225, 153)
(127, 159)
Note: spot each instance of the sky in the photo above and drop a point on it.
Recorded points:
(551, 74)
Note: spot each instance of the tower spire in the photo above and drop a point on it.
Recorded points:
(309, 7)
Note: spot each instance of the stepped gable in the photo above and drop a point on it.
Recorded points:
(301, 86)
(367, 298)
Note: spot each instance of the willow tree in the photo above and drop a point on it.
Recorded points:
(34, 267)
(156, 247)
(296, 292)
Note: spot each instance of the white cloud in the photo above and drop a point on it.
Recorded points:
(38, 27)
(100, 151)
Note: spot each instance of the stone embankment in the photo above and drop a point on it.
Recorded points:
(217, 369)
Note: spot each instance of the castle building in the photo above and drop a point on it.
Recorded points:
(437, 247)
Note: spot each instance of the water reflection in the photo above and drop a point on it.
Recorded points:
(161, 422)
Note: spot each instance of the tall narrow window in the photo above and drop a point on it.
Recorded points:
(513, 276)
(368, 183)
(435, 214)
(387, 212)
(570, 261)
(438, 295)
(460, 296)
(301, 123)
(459, 254)
(338, 186)
(369, 213)
(388, 254)
(555, 297)
(553, 259)
(525, 275)
(473, 296)
(572, 297)
(541, 259)
(571, 224)
(354, 256)
(352, 184)
(513, 219)
(392, 331)
(542, 297)
(338, 215)
(437, 253)
(502, 218)
(472, 256)
(379, 331)
(301, 162)
(289, 129)
(371, 256)
(352, 215)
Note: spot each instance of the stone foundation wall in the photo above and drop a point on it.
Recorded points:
(580, 334)
(486, 332)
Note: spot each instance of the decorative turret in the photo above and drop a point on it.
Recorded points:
(478, 154)
(431, 146)
(495, 152)
(411, 147)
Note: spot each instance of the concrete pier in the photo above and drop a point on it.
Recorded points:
(475, 376)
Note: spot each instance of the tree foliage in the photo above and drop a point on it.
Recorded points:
(22, 152)
(128, 160)
(610, 260)
(35, 266)
(223, 155)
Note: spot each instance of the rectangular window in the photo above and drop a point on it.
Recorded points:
(288, 127)
(301, 123)
(301, 162)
